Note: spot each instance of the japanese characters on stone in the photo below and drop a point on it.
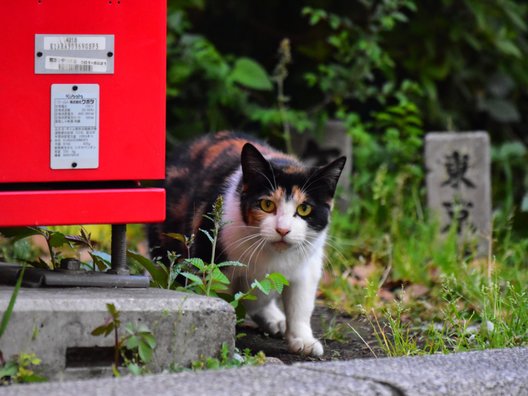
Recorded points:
(458, 184)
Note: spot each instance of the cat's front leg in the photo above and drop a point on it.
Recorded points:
(299, 300)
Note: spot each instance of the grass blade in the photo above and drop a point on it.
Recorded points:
(7, 314)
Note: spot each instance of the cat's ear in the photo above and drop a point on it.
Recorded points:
(328, 175)
(254, 165)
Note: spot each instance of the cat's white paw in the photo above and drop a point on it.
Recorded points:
(271, 320)
(277, 328)
(272, 327)
(305, 346)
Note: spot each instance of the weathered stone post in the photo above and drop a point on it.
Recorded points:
(459, 184)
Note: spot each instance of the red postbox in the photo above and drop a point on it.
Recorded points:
(82, 111)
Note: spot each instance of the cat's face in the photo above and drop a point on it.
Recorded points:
(287, 203)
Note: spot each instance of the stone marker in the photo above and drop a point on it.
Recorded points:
(333, 143)
(459, 184)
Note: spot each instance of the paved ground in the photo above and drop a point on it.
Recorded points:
(493, 372)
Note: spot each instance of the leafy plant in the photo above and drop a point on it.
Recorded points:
(55, 240)
(135, 348)
(228, 360)
(21, 370)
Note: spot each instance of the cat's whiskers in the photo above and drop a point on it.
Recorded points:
(259, 246)
(239, 242)
(248, 251)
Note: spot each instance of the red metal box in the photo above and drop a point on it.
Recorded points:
(114, 49)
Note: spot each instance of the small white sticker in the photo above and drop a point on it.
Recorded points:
(85, 65)
(74, 43)
(74, 126)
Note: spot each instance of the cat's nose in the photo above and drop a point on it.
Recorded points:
(282, 231)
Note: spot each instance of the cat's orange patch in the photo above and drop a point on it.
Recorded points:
(255, 217)
(197, 148)
(293, 169)
(224, 147)
(174, 172)
(299, 195)
(277, 195)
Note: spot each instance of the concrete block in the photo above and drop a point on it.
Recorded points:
(56, 325)
(483, 373)
(459, 183)
(494, 372)
(247, 381)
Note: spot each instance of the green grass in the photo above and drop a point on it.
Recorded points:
(426, 294)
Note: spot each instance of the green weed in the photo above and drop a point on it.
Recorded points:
(135, 349)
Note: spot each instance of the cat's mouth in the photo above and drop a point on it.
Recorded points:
(281, 245)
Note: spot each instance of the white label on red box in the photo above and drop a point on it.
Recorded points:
(74, 126)
(74, 54)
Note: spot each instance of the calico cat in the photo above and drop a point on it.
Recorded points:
(276, 214)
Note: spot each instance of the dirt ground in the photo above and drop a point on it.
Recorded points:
(333, 328)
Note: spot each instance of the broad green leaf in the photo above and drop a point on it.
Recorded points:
(508, 47)
(231, 264)
(250, 74)
(103, 330)
(218, 276)
(10, 369)
(150, 340)
(20, 232)
(102, 260)
(132, 342)
(264, 285)
(196, 280)
(159, 274)
(134, 369)
(57, 239)
(145, 351)
(278, 281)
(177, 236)
(143, 328)
(197, 262)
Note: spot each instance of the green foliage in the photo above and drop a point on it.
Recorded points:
(55, 241)
(250, 74)
(21, 370)
(360, 67)
(135, 348)
(499, 320)
(227, 360)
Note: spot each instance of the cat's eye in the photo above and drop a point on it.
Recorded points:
(304, 210)
(267, 205)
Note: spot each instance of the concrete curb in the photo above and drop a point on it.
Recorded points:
(491, 372)
(56, 325)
